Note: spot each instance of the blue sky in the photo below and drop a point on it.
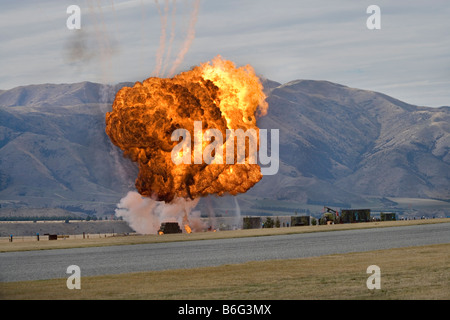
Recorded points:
(408, 58)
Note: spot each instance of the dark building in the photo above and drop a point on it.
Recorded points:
(252, 223)
(388, 216)
(300, 221)
(169, 227)
(356, 215)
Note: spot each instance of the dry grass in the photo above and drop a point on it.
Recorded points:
(407, 273)
(94, 241)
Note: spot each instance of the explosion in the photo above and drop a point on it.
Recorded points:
(217, 94)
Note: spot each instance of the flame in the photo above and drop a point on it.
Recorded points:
(160, 233)
(143, 118)
(241, 92)
(187, 228)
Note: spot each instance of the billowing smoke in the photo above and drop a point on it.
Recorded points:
(145, 215)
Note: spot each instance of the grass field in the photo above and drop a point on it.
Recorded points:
(30, 243)
(406, 273)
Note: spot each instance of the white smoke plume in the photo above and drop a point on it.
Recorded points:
(189, 38)
(162, 39)
(145, 215)
(237, 221)
(161, 54)
(172, 37)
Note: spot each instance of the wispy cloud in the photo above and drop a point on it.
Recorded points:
(283, 40)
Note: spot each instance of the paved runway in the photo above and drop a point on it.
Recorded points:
(48, 264)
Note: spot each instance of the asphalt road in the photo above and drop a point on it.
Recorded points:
(49, 264)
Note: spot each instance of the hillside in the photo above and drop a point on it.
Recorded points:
(338, 145)
(54, 150)
(338, 141)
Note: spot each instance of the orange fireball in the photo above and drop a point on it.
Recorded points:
(143, 118)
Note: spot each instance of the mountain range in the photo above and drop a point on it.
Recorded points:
(339, 146)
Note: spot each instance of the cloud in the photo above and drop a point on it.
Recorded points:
(282, 40)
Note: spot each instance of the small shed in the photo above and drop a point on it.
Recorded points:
(388, 216)
(252, 223)
(51, 236)
(169, 227)
(355, 215)
(300, 221)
